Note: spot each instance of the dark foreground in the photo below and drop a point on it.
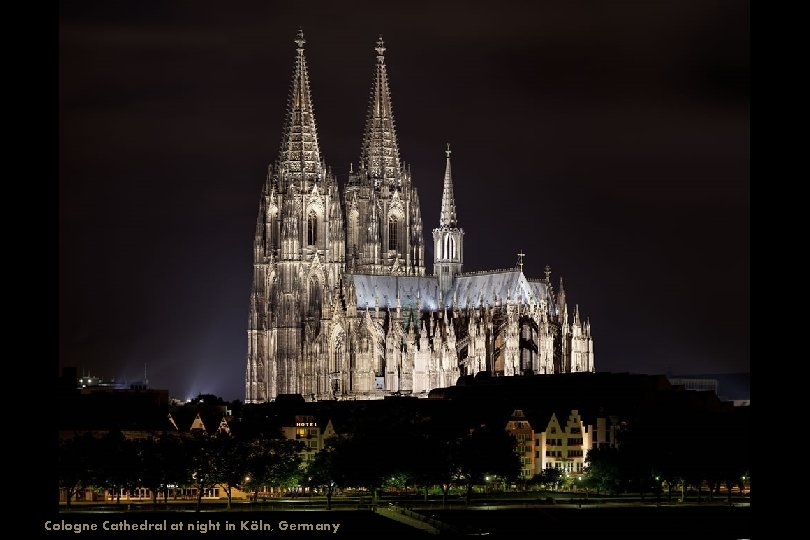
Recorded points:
(689, 522)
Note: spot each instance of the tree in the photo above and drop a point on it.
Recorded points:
(230, 456)
(487, 452)
(116, 461)
(272, 462)
(162, 461)
(205, 465)
(353, 466)
(549, 478)
(429, 451)
(434, 461)
(603, 472)
(398, 480)
(321, 471)
(75, 464)
(209, 399)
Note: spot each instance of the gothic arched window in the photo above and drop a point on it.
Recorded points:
(337, 357)
(312, 229)
(393, 226)
(314, 298)
(272, 233)
(354, 229)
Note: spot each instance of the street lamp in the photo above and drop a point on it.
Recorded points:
(657, 490)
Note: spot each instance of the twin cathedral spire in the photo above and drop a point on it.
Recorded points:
(383, 228)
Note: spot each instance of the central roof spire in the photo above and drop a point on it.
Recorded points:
(299, 158)
(448, 216)
(380, 152)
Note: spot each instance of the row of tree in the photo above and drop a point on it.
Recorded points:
(388, 456)
(430, 456)
(676, 449)
(404, 448)
(195, 460)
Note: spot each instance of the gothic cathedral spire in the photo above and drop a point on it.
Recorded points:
(380, 152)
(448, 215)
(383, 221)
(448, 239)
(299, 157)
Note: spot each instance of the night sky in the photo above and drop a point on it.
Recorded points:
(609, 140)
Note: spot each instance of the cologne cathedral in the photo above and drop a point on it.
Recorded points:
(341, 305)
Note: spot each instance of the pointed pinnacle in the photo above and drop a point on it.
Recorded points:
(300, 38)
(448, 218)
(380, 48)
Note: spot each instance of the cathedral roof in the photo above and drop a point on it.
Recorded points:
(489, 288)
(382, 291)
(472, 290)
(542, 290)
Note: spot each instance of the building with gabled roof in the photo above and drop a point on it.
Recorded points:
(205, 418)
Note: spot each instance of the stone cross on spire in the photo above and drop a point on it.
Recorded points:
(520, 259)
(299, 40)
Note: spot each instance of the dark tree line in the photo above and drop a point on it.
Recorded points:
(193, 460)
(404, 452)
(676, 448)
(415, 452)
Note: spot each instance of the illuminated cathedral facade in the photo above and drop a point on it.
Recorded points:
(341, 305)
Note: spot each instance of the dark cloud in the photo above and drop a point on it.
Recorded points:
(609, 140)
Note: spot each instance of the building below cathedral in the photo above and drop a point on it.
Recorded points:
(341, 306)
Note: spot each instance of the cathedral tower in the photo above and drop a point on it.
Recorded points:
(384, 223)
(299, 254)
(448, 238)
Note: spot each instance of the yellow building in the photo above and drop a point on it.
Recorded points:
(565, 447)
(306, 430)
